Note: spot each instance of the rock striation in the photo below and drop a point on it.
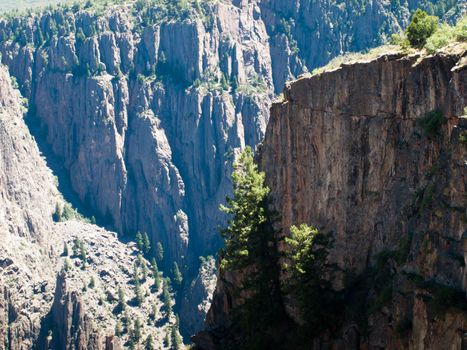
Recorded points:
(49, 298)
(359, 162)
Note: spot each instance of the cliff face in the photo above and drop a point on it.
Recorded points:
(50, 298)
(358, 162)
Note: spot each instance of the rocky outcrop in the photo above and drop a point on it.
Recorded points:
(77, 309)
(376, 168)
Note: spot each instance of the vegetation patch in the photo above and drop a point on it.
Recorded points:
(431, 123)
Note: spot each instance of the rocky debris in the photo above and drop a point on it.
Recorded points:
(39, 305)
(360, 163)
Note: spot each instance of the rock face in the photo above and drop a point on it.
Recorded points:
(146, 107)
(49, 298)
(354, 161)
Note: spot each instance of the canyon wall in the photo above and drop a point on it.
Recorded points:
(379, 167)
(49, 297)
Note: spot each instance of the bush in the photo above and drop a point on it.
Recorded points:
(442, 37)
(421, 28)
(460, 31)
(431, 123)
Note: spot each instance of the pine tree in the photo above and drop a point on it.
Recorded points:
(121, 300)
(118, 329)
(155, 273)
(139, 259)
(144, 271)
(149, 343)
(139, 241)
(176, 339)
(154, 312)
(166, 340)
(66, 266)
(65, 249)
(83, 254)
(159, 252)
(154, 268)
(166, 297)
(92, 282)
(177, 276)
(135, 272)
(76, 247)
(146, 243)
(247, 211)
(139, 298)
(137, 330)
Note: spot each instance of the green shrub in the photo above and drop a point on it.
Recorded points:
(442, 37)
(460, 30)
(431, 123)
(463, 137)
(421, 28)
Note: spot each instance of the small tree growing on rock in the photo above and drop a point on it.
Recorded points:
(421, 28)
(146, 244)
(121, 300)
(178, 279)
(139, 241)
(159, 252)
(149, 343)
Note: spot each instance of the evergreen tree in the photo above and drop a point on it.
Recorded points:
(57, 215)
(92, 282)
(149, 343)
(139, 241)
(421, 28)
(65, 249)
(121, 300)
(154, 312)
(139, 298)
(135, 273)
(154, 267)
(176, 339)
(146, 243)
(118, 329)
(83, 254)
(66, 266)
(307, 264)
(155, 274)
(177, 276)
(166, 340)
(137, 330)
(247, 211)
(76, 247)
(144, 271)
(159, 252)
(166, 297)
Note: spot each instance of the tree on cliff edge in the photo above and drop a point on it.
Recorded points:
(247, 211)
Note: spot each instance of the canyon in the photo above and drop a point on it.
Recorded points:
(140, 111)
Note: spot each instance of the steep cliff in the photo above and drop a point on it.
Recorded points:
(146, 105)
(380, 168)
(51, 297)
